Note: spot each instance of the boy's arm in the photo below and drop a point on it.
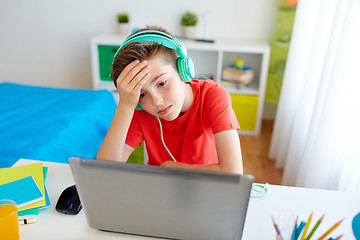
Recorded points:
(129, 84)
(113, 147)
(229, 154)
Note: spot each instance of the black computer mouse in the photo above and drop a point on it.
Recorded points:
(69, 201)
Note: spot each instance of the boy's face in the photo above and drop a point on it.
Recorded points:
(164, 94)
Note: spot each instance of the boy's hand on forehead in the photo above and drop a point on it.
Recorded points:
(131, 80)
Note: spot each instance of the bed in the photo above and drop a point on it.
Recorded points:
(52, 124)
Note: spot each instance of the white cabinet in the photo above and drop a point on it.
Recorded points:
(209, 60)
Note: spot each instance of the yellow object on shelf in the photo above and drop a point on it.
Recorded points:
(245, 108)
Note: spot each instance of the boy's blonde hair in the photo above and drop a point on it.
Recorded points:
(141, 51)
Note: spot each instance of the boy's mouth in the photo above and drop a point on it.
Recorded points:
(165, 110)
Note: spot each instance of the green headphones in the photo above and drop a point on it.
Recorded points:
(185, 64)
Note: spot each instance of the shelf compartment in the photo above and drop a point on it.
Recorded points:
(252, 60)
(205, 63)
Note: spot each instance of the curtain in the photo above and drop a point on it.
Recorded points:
(316, 136)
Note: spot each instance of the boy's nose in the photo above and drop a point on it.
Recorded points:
(157, 99)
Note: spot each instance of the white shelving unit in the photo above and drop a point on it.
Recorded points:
(209, 60)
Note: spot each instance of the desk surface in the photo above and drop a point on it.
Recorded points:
(281, 201)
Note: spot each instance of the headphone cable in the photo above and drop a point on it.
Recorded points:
(260, 189)
(162, 139)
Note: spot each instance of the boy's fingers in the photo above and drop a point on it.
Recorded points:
(130, 71)
(142, 81)
(132, 79)
(129, 67)
(126, 70)
(139, 77)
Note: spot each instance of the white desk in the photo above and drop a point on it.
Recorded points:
(258, 226)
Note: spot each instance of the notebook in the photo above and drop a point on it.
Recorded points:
(161, 202)
(23, 191)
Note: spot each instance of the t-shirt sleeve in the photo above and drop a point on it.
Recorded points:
(135, 135)
(218, 110)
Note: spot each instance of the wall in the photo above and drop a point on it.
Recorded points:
(46, 42)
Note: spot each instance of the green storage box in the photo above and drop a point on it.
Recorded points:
(106, 56)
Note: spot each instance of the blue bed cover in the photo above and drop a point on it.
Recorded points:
(52, 124)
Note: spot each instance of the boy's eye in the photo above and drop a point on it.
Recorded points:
(162, 83)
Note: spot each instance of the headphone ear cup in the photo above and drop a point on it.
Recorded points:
(186, 68)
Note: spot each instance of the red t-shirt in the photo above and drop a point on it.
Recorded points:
(190, 137)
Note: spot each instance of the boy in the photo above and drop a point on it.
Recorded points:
(184, 124)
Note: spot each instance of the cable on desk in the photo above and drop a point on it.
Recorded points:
(260, 190)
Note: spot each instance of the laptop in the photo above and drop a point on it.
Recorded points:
(161, 202)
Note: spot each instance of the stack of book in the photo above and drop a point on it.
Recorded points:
(238, 77)
(25, 185)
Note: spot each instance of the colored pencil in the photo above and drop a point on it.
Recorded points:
(279, 236)
(339, 237)
(299, 229)
(315, 227)
(294, 230)
(306, 227)
(330, 230)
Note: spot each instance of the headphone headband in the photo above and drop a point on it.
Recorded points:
(152, 38)
(152, 33)
(156, 37)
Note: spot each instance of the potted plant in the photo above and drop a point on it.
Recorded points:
(123, 23)
(189, 21)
